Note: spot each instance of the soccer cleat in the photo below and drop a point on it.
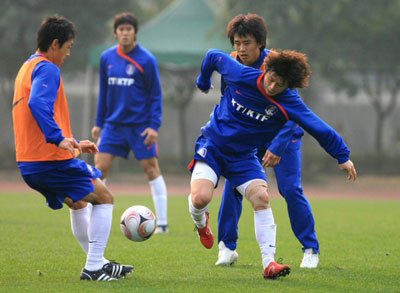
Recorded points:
(116, 270)
(100, 275)
(162, 229)
(275, 270)
(205, 234)
(226, 257)
(310, 259)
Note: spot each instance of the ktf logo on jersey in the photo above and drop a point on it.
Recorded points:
(120, 81)
(130, 69)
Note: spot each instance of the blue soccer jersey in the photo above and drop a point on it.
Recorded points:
(130, 88)
(289, 131)
(247, 118)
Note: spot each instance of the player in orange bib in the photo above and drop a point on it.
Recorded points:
(46, 150)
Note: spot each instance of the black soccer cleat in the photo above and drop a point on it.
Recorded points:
(100, 275)
(116, 270)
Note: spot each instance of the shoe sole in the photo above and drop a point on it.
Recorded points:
(282, 273)
(305, 267)
(227, 264)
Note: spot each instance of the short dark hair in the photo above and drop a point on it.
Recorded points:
(292, 66)
(54, 27)
(249, 24)
(126, 17)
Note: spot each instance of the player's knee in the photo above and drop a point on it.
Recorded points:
(151, 168)
(257, 194)
(152, 173)
(200, 199)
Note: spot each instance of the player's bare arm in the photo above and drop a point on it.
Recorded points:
(70, 144)
(350, 169)
(270, 159)
(151, 136)
(96, 132)
(88, 147)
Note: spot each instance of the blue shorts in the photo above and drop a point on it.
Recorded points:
(74, 180)
(237, 168)
(119, 140)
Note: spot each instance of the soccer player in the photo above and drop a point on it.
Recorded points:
(255, 106)
(130, 109)
(46, 150)
(248, 34)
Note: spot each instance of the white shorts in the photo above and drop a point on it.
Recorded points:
(242, 188)
(202, 170)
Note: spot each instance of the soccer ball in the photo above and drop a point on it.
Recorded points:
(138, 223)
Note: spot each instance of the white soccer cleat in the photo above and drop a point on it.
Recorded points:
(310, 259)
(226, 257)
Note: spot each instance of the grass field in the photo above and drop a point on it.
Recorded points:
(359, 239)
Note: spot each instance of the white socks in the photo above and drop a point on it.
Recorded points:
(265, 234)
(159, 193)
(79, 225)
(99, 231)
(198, 215)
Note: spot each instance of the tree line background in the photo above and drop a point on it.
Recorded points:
(352, 47)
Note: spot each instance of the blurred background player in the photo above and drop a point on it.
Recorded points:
(254, 108)
(248, 35)
(46, 149)
(130, 110)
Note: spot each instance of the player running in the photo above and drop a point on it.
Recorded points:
(254, 108)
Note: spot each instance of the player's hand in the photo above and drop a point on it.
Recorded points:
(96, 132)
(88, 147)
(270, 159)
(350, 169)
(70, 144)
(206, 91)
(151, 137)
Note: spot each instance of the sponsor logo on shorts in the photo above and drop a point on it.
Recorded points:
(202, 152)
